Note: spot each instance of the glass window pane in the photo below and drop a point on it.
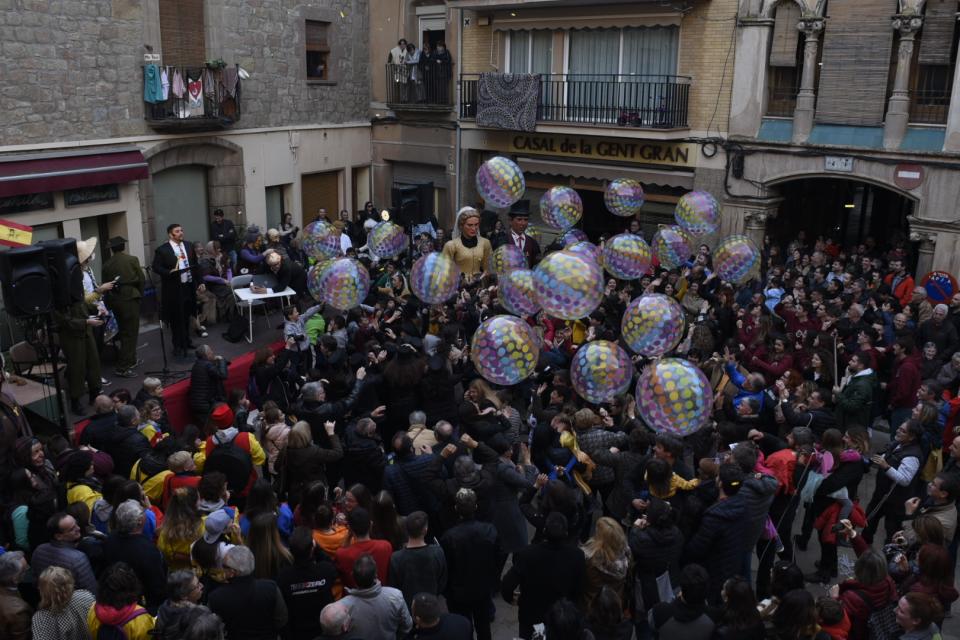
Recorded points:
(650, 51)
(519, 61)
(542, 51)
(592, 91)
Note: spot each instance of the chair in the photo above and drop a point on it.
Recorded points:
(243, 282)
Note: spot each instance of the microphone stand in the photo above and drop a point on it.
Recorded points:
(165, 373)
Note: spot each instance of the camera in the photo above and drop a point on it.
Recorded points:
(299, 337)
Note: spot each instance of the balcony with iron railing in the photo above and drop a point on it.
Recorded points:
(202, 98)
(426, 86)
(646, 102)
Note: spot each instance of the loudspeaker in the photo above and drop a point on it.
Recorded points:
(25, 281)
(405, 199)
(64, 267)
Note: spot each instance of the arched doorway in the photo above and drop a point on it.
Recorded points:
(845, 209)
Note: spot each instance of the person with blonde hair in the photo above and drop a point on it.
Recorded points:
(608, 561)
(62, 612)
(182, 526)
(468, 248)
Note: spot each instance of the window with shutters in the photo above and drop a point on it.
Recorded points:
(932, 66)
(182, 32)
(785, 65)
(318, 50)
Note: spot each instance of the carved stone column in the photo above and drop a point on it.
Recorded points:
(928, 244)
(749, 76)
(898, 109)
(811, 27)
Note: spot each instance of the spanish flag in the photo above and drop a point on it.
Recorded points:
(15, 235)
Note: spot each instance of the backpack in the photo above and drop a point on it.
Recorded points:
(237, 329)
(233, 462)
(116, 631)
(882, 622)
(253, 390)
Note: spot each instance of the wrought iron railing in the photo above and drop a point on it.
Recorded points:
(427, 84)
(651, 102)
(201, 96)
(930, 106)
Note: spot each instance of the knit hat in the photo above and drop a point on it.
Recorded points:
(73, 465)
(215, 524)
(222, 415)
(253, 232)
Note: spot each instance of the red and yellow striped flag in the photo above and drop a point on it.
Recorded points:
(15, 235)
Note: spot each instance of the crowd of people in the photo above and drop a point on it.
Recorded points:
(421, 75)
(368, 483)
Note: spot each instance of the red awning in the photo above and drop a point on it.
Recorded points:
(42, 172)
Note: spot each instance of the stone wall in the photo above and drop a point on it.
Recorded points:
(71, 70)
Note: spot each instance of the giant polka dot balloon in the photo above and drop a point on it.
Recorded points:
(626, 256)
(568, 285)
(600, 370)
(673, 396)
(342, 283)
(504, 350)
(506, 258)
(698, 212)
(652, 324)
(500, 182)
(673, 246)
(321, 241)
(387, 240)
(434, 278)
(573, 236)
(735, 257)
(624, 197)
(587, 249)
(561, 208)
(516, 292)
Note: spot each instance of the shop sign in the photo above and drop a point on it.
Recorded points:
(616, 149)
(89, 195)
(940, 286)
(26, 202)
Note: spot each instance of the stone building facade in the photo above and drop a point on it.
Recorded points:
(73, 85)
(846, 122)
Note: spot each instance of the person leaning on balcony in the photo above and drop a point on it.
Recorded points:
(468, 249)
(444, 64)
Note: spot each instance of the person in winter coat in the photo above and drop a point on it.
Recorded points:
(271, 376)
(116, 433)
(719, 541)
(655, 544)
(363, 456)
(184, 591)
(128, 544)
(62, 612)
(117, 596)
(870, 589)
(898, 470)
(507, 483)
(246, 442)
(408, 478)
(545, 573)
(855, 395)
(314, 408)
(738, 619)
(608, 562)
(438, 397)
(917, 614)
(472, 550)
(251, 608)
(378, 611)
(306, 461)
(686, 617)
(206, 383)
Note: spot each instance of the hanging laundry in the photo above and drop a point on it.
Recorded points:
(152, 88)
(209, 87)
(230, 81)
(194, 97)
(178, 88)
(165, 83)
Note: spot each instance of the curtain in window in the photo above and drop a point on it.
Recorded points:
(649, 60)
(592, 92)
(519, 52)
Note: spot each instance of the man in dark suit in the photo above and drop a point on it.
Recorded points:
(124, 301)
(176, 264)
(519, 220)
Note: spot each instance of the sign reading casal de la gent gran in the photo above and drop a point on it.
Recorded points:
(640, 151)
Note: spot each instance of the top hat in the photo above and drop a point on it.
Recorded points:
(520, 209)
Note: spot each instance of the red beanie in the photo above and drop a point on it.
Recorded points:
(222, 416)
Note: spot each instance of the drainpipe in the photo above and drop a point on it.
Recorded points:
(457, 147)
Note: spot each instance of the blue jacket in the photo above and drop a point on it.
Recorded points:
(739, 379)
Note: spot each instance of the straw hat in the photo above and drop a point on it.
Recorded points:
(85, 248)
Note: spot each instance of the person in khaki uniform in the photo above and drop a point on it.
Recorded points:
(124, 301)
(75, 326)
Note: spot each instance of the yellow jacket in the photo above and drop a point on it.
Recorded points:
(676, 484)
(138, 628)
(83, 493)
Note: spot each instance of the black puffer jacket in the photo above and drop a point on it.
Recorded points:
(308, 464)
(363, 460)
(125, 445)
(438, 397)
(654, 550)
(206, 385)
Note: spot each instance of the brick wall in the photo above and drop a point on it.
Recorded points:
(706, 39)
(478, 48)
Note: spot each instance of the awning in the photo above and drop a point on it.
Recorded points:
(682, 179)
(22, 174)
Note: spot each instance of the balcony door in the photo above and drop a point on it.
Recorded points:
(180, 196)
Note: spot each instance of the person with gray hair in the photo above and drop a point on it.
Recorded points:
(423, 438)
(15, 613)
(336, 623)
(315, 409)
(175, 615)
(938, 331)
(207, 378)
(128, 544)
(108, 431)
(250, 607)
